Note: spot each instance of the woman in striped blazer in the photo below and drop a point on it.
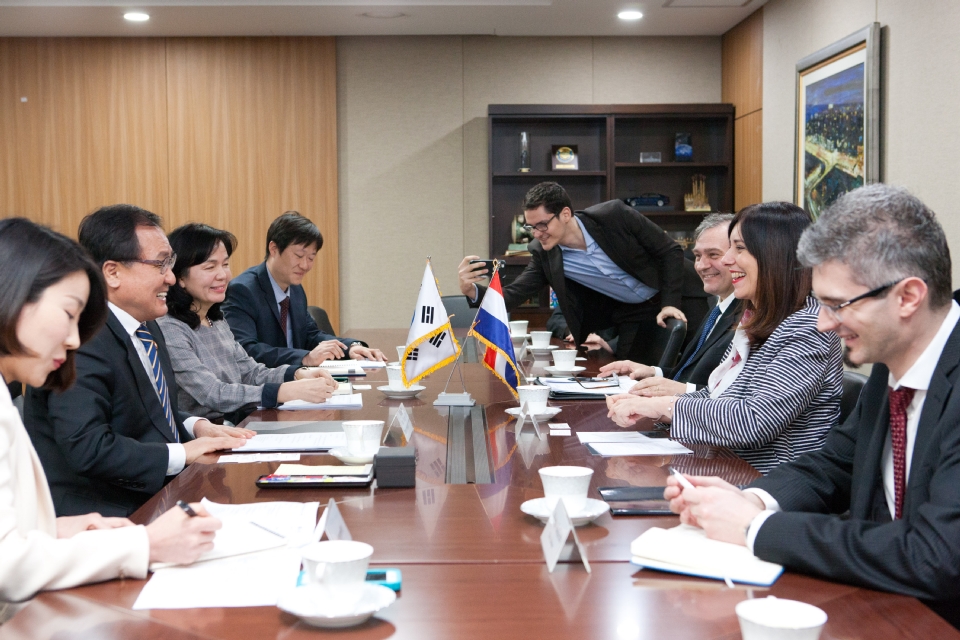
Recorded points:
(777, 391)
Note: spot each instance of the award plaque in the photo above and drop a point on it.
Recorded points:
(564, 157)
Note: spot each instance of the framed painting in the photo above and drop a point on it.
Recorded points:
(838, 120)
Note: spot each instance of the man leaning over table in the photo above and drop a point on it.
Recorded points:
(881, 268)
(113, 439)
(266, 306)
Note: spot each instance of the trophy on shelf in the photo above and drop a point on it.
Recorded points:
(697, 201)
(524, 152)
(519, 236)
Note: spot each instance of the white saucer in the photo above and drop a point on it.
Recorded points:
(310, 605)
(401, 394)
(593, 510)
(546, 414)
(341, 454)
(580, 359)
(564, 373)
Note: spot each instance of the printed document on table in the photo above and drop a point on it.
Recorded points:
(315, 441)
(292, 520)
(655, 447)
(251, 580)
(568, 385)
(345, 401)
(589, 437)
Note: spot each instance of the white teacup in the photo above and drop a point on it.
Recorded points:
(339, 567)
(569, 484)
(518, 327)
(534, 396)
(565, 359)
(540, 339)
(363, 436)
(395, 376)
(774, 618)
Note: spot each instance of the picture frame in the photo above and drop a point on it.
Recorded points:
(838, 120)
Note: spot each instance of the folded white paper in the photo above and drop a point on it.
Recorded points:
(311, 441)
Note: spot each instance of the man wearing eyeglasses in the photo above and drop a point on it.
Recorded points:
(113, 439)
(878, 506)
(609, 265)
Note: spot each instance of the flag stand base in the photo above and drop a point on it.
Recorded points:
(454, 400)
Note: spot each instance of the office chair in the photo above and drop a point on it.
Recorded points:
(459, 307)
(852, 386)
(664, 347)
(322, 319)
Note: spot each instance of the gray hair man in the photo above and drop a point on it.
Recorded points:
(881, 269)
(705, 351)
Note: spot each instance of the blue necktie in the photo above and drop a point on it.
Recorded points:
(146, 338)
(707, 327)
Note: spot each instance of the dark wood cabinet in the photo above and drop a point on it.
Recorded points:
(609, 140)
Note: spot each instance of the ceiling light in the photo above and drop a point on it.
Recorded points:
(630, 15)
(136, 16)
(383, 14)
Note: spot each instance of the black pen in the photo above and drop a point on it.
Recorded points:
(187, 509)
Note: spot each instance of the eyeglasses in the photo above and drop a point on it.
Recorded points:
(540, 226)
(164, 265)
(834, 309)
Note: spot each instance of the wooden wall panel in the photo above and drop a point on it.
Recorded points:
(748, 159)
(742, 65)
(253, 134)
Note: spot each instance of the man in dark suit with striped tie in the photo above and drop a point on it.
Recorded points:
(706, 350)
(115, 437)
(878, 506)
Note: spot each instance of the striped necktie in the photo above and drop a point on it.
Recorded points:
(146, 338)
(707, 327)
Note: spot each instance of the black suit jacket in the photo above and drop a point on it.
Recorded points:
(103, 442)
(917, 555)
(712, 351)
(630, 239)
(251, 311)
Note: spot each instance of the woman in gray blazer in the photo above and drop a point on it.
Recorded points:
(52, 299)
(777, 391)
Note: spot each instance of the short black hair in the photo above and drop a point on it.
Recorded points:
(292, 228)
(194, 243)
(110, 233)
(549, 195)
(33, 258)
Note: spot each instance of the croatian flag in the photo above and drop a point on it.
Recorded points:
(492, 330)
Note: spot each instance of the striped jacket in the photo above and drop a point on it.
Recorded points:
(781, 405)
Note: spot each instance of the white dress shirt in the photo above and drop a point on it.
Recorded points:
(917, 377)
(723, 305)
(178, 455)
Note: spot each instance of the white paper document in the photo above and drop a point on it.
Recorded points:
(251, 580)
(589, 437)
(346, 401)
(653, 447)
(292, 520)
(258, 457)
(313, 441)
(568, 385)
(371, 364)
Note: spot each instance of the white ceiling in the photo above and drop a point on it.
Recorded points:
(345, 17)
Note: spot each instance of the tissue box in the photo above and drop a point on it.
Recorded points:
(396, 466)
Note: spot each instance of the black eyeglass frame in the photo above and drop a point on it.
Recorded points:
(873, 293)
(540, 226)
(164, 265)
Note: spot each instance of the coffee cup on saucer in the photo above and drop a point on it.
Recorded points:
(566, 483)
(395, 376)
(339, 568)
(518, 327)
(540, 339)
(534, 396)
(565, 359)
(363, 436)
(774, 618)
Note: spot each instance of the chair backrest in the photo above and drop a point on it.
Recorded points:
(852, 386)
(665, 346)
(459, 307)
(322, 319)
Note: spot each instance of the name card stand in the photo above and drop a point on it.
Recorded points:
(526, 414)
(405, 424)
(332, 524)
(554, 538)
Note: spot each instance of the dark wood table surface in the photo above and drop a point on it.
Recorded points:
(471, 560)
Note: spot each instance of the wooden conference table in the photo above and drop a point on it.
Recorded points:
(471, 560)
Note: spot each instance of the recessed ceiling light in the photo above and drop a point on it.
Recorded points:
(630, 15)
(384, 14)
(136, 16)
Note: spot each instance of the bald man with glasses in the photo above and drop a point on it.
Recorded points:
(609, 265)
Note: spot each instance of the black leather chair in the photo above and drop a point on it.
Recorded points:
(322, 319)
(459, 308)
(852, 386)
(665, 346)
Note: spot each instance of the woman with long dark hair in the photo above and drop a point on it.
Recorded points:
(216, 377)
(53, 299)
(777, 391)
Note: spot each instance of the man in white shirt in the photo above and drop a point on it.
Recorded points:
(881, 268)
(706, 350)
(112, 440)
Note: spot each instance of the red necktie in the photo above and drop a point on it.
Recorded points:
(899, 401)
(284, 312)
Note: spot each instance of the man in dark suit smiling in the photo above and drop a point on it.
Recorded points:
(266, 306)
